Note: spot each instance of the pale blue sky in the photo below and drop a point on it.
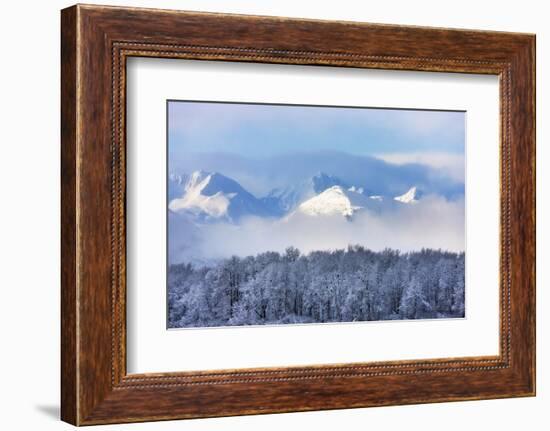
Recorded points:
(264, 131)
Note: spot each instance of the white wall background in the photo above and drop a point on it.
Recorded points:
(29, 215)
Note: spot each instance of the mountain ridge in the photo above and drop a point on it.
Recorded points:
(212, 196)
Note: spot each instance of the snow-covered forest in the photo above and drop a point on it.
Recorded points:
(355, 284)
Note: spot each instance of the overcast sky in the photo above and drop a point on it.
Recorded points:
(385, 151)
(263, 131)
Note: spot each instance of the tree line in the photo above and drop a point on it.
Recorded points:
(349, 285)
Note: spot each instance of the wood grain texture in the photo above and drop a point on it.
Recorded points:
(96, 41)
(69, 367)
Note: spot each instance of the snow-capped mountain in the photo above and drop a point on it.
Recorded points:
(176, 185)
(347, 202)
(286, 199)
(412, 196)
(334, 200)
(212, 196)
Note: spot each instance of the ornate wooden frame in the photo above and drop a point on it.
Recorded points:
(95, 42)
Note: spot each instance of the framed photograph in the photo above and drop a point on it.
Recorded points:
(265, 215)
(304, 222)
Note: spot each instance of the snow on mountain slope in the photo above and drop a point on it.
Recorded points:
(208, 197)
(288, 198)
(212, 196)
(334, 200)
(176, 185)
(410, 197)
(195, 201)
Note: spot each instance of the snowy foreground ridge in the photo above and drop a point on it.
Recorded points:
(324, 286)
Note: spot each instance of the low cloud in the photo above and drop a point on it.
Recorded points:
(432, 223)
(375, 174)
(453, 165)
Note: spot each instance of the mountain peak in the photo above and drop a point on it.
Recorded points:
(211, 196)
(196, 179)
(409, 197)
(322, 181)
(199, 175)
(334, 200)
(288, 198)
(210, 183)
